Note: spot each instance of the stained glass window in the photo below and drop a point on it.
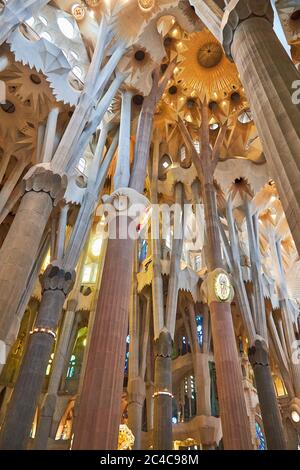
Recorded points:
(260, 437)
(71, 368)
(199, 322)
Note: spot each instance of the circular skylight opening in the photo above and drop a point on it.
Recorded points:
(77, 72)
(66, 27)
(245, 117)
(74, 54)
(46, 36)
(30, 21)
(43, 20)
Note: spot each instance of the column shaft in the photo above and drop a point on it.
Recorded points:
(258, 356)
(18, 421)
(268, 74)
(106, 357)
(162, 430)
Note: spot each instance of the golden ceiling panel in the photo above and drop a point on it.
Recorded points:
(203, 67)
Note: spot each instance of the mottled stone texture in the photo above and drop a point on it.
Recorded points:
(99, 409)
(162, 429)
(268, 74)
(56, 283)
(136, 398)
(17, 255)
(235, 422)
(258, 357)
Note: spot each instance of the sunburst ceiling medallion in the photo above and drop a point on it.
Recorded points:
(210, 55)
(204, 69)
(146, 5)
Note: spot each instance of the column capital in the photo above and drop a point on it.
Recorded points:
(217, 287)
(241, 10)
(258, 353)
(124, 198)
(56, 278)
(41, 178)
(164, 344)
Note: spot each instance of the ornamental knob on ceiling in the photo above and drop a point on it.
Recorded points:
(78, 11)
(210, 55)
(146, 5)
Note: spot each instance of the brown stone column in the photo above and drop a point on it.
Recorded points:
(233, 411)
(56, 284)
(162, 431)
(103, 382)
(235, 422)
(268, 74)
(106, 357)
(43, 188)
(258, 357)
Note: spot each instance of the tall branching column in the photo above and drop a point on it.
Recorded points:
(268, 76)
(259, 359)
(162, 426)
(162, 431)
(106, 357)
(19, 250)
(43, 189)
(235, 422)
(56, 284)
(258, 352)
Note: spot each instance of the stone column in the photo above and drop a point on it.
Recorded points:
(258, 357)
(136, 398)
(149, 405)
(43, 189)
(49, 137)
(106, 357)
(61, 232)
(58, 366)
(201, 368)
(56, 284)
(122, 173)
(233, 412)
(162, 431)
(268, 74)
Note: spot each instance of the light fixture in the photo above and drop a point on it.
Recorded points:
(96, 247)
(295, 416)
(78, 11)
(165, 161)
(146, 5)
